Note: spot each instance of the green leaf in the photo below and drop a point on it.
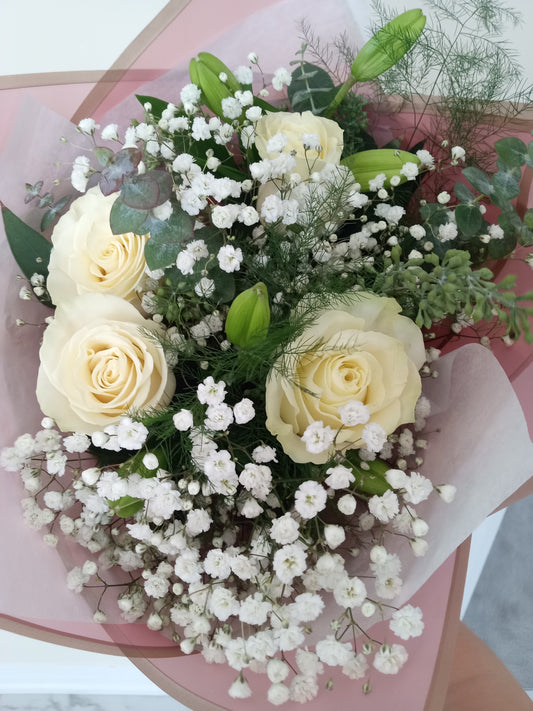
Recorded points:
(224, 285)
(126, 506)
(124, 219)
(512, 150)
(146, 191)
(468, 219)
(166, 238)
(311, 88)
(158, 105)
(478, 179)
(528, 218)
(463, 193)
(29, 248)
(265, 105)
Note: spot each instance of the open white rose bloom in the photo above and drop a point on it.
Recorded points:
(253, 463)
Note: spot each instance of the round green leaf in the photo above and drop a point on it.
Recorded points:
(512, 150)
(468, 219)
(478, 179)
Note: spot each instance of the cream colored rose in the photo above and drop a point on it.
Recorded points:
(87, 257)
(294, 126)
(97, 364)
(361, 350)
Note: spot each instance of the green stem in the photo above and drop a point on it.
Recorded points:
(339, 96)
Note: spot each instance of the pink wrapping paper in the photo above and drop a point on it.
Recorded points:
(33, 566)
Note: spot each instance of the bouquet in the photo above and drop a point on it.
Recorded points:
(238, 373)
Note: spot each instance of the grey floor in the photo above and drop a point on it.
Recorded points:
(500, 612)
(501, 609)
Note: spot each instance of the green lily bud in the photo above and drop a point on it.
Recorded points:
(366, 165)
(369, 481)
(205, 72)
(248, 317)
(388, 45)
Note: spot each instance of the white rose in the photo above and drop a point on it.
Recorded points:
(97, 365)
(367, 352)
(87, 257)
(294, 126)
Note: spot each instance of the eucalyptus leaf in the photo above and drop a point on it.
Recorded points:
(29, 248)
(146, 191)
(468, 219)
(512, 150)
(46, 200)
(478, 179)
(124, 219)
(103, 155)
(123, 164)
(505, 185)
(166, 238)
(526, 236)
(32, 191)
(463, 193)
(48, 219)
(311, 88)
(511, 225)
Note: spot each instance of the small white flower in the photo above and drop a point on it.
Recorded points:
(162, 212)
(318, 438)
(229, 258)
(407, 622)
(183, 420)
(417, 488)
(340, 477)
(354, 413)
(347, 504)
(458, 154)
(289, 562)
(446, 492)
(282, 77)
(284, 529)
(334, 535)
(356, 667)
(349, 592)
(264, 454)
(389, 659)
(447, 232)
(309, 499)
(410, 170)
(443, 197)
(240, 689)
(374, 436)
(425, 158)
(218, 417)
(185, 262)
(211, 393)
(384, 507)
(244, 411)
(332, 652)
